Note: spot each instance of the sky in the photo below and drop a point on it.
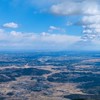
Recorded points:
(49, 25)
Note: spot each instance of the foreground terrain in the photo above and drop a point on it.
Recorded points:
(50, 76)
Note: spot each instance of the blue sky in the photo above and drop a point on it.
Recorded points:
(32, 19)
(49, 25)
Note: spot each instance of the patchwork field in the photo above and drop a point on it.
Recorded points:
(50, 76)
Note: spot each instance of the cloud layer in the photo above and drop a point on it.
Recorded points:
(43, 41)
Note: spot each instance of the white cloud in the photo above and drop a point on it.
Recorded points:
(10, 25)
(54, 28)
(44, 40)
(91, 26)
(60, 38)
(75, 7)
(94, 19)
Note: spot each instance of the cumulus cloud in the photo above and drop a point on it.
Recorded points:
(91, 27)
(89, 12)
(10, 25)
(76, 7)
(15, 40)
